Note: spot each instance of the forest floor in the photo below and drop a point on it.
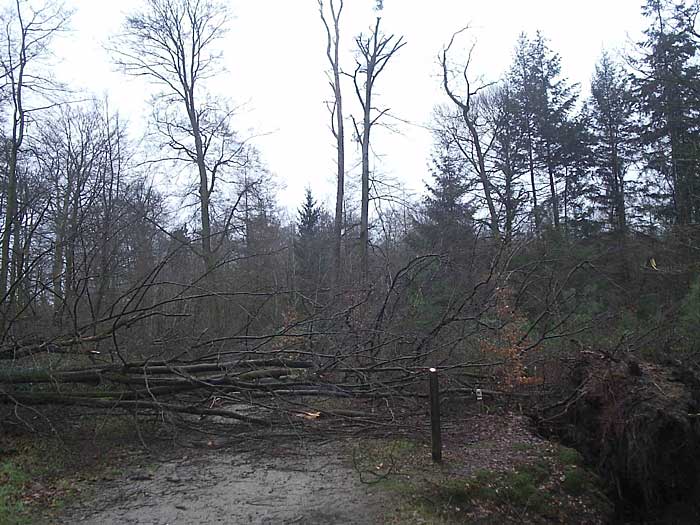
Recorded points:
(495, 470)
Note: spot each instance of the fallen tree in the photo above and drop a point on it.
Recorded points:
(232, 389)
(369, 343)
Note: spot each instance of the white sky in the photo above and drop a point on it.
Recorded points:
(276, 63)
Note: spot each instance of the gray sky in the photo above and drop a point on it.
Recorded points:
(275, 60)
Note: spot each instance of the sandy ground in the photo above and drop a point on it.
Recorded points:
(309, 484)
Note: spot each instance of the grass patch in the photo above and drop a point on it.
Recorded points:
(33, 480)
(546, 483)
(12, 483)
(462, 493)
(569, 456)
(524, 447)
(480, 486)
(401, 447)
(372, 453)
(520, 488)
(576, 481)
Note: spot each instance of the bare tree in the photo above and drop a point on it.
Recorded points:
(172, 43)
(78, 153)
(337, 124)
(465, 104)
(28, 32)
(374, 51)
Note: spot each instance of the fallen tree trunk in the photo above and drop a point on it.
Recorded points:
(54, 399)
(97, 374)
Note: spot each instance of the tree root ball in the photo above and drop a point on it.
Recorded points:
(639, 423)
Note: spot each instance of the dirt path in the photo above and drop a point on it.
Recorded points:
(306, 485)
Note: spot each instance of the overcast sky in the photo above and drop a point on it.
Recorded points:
(275, 60)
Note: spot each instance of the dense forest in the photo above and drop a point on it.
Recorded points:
(553, 258)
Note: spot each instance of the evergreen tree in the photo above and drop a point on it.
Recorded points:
(522, 82)
(309, 217)
(510, 155)
(447, 223)
(546, 101)
(577, 163)
(611, 111)
(311, 244)
(667, 91)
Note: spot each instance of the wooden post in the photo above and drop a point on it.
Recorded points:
(435, 415)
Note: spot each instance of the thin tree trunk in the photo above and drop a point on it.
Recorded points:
(204, 192)
(7, 229)
(364, 211)
(480, 164)
(340, 195)
(553, 188)
(533, 185)
(17, 265)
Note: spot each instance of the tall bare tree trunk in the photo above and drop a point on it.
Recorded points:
(181, 34)
(57, 274)
(10, 212)
(483, 176)
(333, 52)
(364, 209)
(375, 52)
(204, 188)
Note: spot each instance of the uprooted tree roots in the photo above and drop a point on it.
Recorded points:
(641, 423)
